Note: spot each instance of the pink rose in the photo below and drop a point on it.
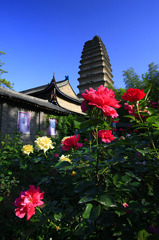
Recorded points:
(27, 202)
(125, 205)
(102, 98)
(106, 135)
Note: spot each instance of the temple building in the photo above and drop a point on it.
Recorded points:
(26, 111)
(95, 67)
(58, 93)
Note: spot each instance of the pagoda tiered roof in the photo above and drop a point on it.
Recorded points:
(95, 67)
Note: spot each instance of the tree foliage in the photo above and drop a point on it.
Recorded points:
(149, 80)
(131, 79)
(3, 81)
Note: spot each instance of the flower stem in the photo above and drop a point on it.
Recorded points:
(39, 209)
(137, 106)
(97, 162)
(152, 142)
(57, 227)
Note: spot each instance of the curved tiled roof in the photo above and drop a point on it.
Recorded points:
(21, 99)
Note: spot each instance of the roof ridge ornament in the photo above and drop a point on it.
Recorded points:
(53, 98)
(67, 77)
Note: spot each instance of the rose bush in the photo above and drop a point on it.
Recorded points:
(110, 190)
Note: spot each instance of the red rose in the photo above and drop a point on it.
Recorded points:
(71, 142)
(133, 95)
(27, 202)
(106, 135)
(102, 98)
(56, 155)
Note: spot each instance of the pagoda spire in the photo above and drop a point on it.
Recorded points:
(95, 67)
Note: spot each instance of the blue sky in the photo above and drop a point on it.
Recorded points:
(40, 37)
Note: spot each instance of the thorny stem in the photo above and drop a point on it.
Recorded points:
(137, 106)
(39, 209)
(57, 227)
(97, 177)
(152, 142)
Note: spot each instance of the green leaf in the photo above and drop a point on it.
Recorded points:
(79, 230)
(130, 116)
(142, 235)
(77, 124)
(85, 124)
(95, 212)
(38, 159)
(133, 175)
(81, 186)
(62, 164)
(44, 180)
(58, 216)
(116, 179)
(106, 200)
(135, 184)
(152, 119)
(87, 198)
(1, 198)
(126, 179)
(87, 211)
(145, 151)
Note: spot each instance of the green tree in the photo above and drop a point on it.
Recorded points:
(3, 81)
(149, 80)
(131, 79)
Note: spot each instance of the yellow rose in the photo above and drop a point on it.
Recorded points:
(43, 143)
(64, 158)
(27, 149)
(73, 173)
